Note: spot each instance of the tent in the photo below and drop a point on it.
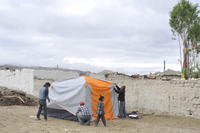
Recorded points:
(66, 95)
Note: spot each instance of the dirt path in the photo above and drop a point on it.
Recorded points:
(20, 119)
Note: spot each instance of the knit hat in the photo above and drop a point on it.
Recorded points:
(82, 103)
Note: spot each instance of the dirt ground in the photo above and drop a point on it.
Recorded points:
(21, 119)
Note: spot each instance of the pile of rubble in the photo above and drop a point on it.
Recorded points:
(16, 97)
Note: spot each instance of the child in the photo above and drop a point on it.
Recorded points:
(100, 112)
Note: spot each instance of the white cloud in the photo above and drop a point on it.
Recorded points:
(77, 7)
(102, 63)
(131, 36)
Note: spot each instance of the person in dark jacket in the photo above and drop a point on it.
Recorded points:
(121, 99)
(100, 112)
(43, 96)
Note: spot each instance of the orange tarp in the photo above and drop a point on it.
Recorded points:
(100, 87)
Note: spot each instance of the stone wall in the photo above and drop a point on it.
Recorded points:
(55, 75)
(42, 76)
(175, 97)
(19, 79)
(97, 76)
(31, 80)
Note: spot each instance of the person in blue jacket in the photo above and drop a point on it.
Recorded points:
(43, 96)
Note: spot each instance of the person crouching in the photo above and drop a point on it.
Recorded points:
(83, 114)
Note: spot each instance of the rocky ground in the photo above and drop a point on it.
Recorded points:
(21, 119)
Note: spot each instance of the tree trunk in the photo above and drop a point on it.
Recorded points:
(180, 52)
(186, 60)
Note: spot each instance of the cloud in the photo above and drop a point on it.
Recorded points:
(128, 36)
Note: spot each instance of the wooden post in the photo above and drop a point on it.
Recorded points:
(164, 67)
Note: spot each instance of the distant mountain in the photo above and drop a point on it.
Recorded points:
(105, 72)
(168, 72)
(12, 67)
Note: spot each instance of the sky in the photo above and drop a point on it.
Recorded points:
(126, 36)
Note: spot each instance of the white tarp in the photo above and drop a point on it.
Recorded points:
(67, 94)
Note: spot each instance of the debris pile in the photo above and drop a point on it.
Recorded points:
(16, 97)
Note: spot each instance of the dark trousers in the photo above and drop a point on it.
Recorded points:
(103, 120)
(42, 106)
(122, 109)
(84, 119)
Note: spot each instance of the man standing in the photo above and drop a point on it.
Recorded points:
(83, 114)
(121, 99)
(43, 96)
